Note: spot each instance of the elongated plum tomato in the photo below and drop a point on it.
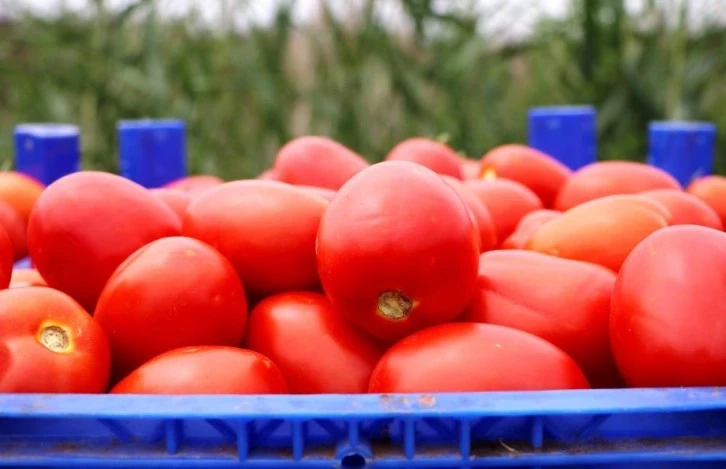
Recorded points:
(397, 250)
(86, 224)
(171, 293)
(436, 156)
(205, 370)
(196, 184)
(563, 301)
(49, 344)
(605, 178)
(479, 212)
(327, 194)
(266, 229)
(712, 190)
(15, 228)
(175, 199)
(685, 208)
(471, 357)
(318, 351)
(668, 317)
(6, 259)
(317, 161)
(527, 227)
(535, 170)
(602, 231)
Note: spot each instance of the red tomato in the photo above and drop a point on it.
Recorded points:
(397, 250)
(15, 228)
(602, 231)
(175, 199)
(195, 185)
(171, 293)
(562, 301)
(436, 156)
(605, 178)
(49, 344)
(480, 214)
(85, 224)
(527, 227)
(469, 168)
(470, 357)
(6, 259)
(266, 228)
(316, 349)
(327, 194)
(270, 175)
(317, 161)
(205, 370)
(20, 191)
(508, 202)
(685, 209)
(712, 190)
(668, 318)
(26, 278)
(535, 170)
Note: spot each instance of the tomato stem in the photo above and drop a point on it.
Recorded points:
(55, 339)
(394, 305)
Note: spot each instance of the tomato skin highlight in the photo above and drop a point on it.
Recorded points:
(316, 349)
(436, 156)
(527, 227)
(685, 208)
(563, 301)
(479, 212)
(6, 259)
(439, 359)
(76, 358)
(205, 370)
(537, 171)
(668, 314)
(711, 190)
(397, 250)
(171, 293)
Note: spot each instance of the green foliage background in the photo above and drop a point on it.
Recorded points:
(243, 94)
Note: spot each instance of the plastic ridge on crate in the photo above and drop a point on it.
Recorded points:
(567, 133)
(682, 148)
(47, 151)
(636, 428)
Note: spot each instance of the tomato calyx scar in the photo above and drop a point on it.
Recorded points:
(489, 174)
(55, 339)
(394, 305)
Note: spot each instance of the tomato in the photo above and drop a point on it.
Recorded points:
(605, 178)
(686, 209)
(49, 344)
(26, 278)
(508, 202)
(527, 227)
(205, 370)
(175, 199)
(469, 168)
(6, 259)
(171, 293)
(602, 231)
(195, 185)
(85, 224)
(269, 174)
(317, 161)
(563, 301)
(537, 171)
(20, 192)
(471, 357)
(712, 190)
(327, 194)
(436, 156)
(15, 228)
(668, 316)
(397, 250)
(316, 349)
(266, 228)
(479, 212)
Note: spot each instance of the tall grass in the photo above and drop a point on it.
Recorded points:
(245, 93)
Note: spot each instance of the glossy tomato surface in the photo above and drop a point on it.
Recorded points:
(471, 357)
(436, 156)
(26, 278)
(175, 199)
(318, 351)
(711, 190)
(196, 184)
(685, 208)
(563, 301)
(537, 171)
(397, 250)
(20, 192)
(15, 228)
(602, 231)
(668, 319)
(205, 370)
(171, 293)
(327, 194)
(317, 161)
(527, 227)
(479, 212)
(86, 224)
(49, 344)
(266, 229)
(6, 259)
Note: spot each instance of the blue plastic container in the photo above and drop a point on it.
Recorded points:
(23, 264)
(683, 149)
(568, 133)
(47, 152)
(613, 429)
(152, 152)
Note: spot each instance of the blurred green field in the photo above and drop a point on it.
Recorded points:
(244, 94)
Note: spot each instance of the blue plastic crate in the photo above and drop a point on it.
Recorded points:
(613, 429)
(47, 151)
(568, 133)
(683, 149)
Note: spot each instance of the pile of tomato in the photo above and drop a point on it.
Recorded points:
(427, 272)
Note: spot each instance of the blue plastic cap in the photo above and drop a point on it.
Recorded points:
(683, 149)
(47, 152)
(152, 152)
(567, 133)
